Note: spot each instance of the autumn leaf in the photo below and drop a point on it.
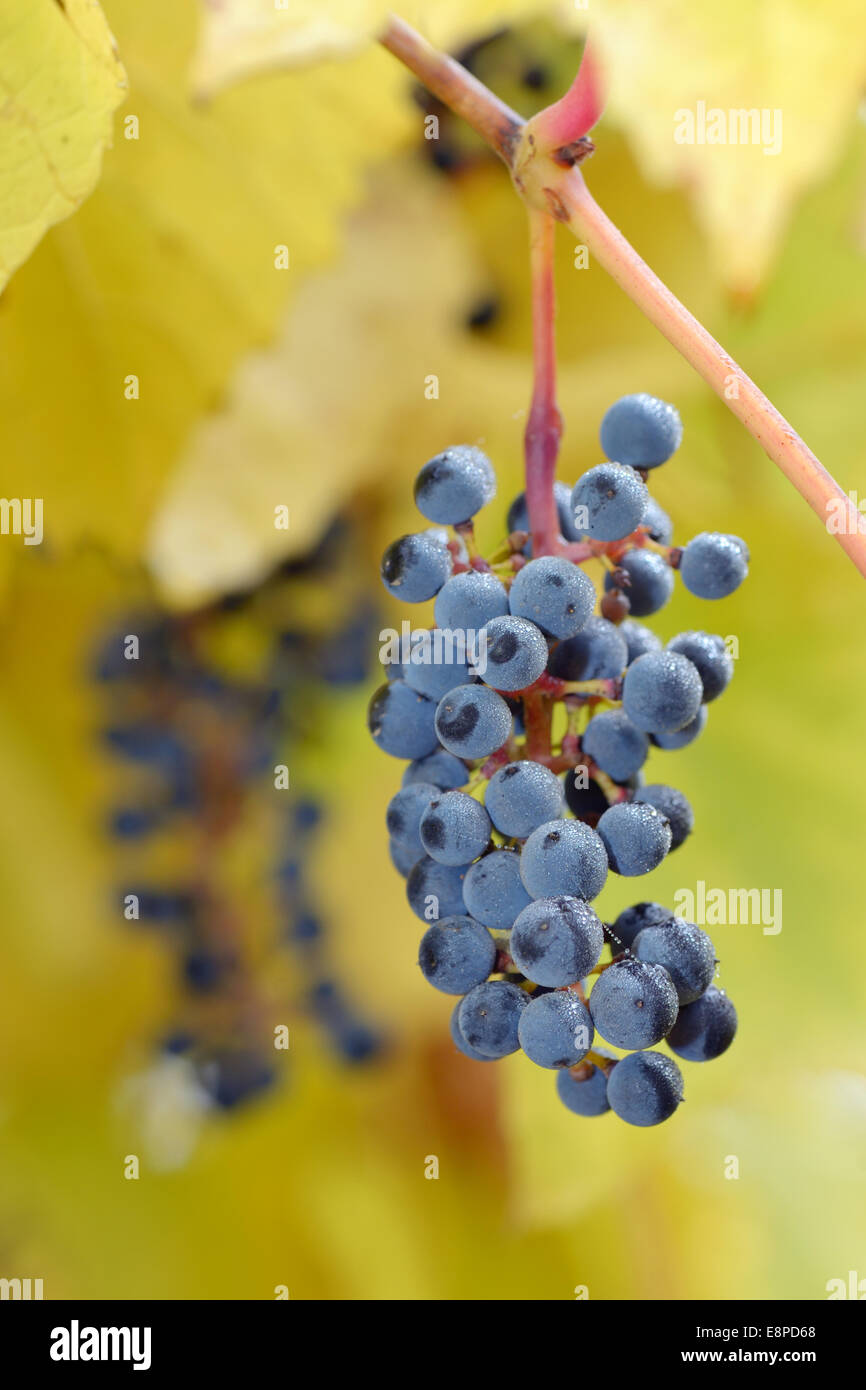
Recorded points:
(308, 418)
(124, 326)
(746, 105)
(60, 80)
(241, 37)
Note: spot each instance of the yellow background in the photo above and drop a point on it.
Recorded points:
(167, 270)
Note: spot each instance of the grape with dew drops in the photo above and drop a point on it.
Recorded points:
(534, 790)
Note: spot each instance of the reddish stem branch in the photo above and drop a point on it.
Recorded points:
(549, 187)
(538, 715)
(566, 120)
(783, 445)
(544, 425)
(456, 87)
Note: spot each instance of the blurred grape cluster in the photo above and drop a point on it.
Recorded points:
(209, 715)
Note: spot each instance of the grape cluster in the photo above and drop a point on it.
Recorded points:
(524, 789)
(202, 709)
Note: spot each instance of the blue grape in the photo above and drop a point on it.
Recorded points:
(636, 837)
(638, 639)
(518, 514)
(204, 971)
(472, 721)
(455, 828)
(556, 941)
(633, 920)
(455, 485)
(661, 528)
(673, 806)
(460, 1042)
(134, 822)
(493, 890)
(710, 657)
(343, 656)
(111, 662)
(440, 767)
(307, 815)
(563, 857)
(354, 1040)
(429, 675)
(585, 1094)
(231, 1076)
(714, 565)
(401, 721)
(645, 1088)
(662, 692)
(305, 927)
(148, 744)
(740, 544)
(489, 1015)
(403, 816)
(554, 594)
(633, 1004)
(435, 890)
(598, 652)
(615, 744)
(515, 651)
(555, 1030)
(456, 954)
(686, 952)
(415, 567)
(684, 736)
(613, 499)
(515, 704)
(585, 802)
(522, 796)
(403, 858)
(650, 581)
(704, 1029)
(469, 600)
(641, 430)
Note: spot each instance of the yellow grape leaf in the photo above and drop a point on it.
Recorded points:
(60, 81)
(746, 105)
(242, 37)
(340, 401)
(125, 325)
(306, 420)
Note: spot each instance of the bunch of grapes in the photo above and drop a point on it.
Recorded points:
(205, 709)
(527, 714)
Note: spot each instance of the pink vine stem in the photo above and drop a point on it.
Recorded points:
(550, 187)
(544, 424)
(568, 119)
(761, 418)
